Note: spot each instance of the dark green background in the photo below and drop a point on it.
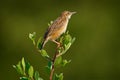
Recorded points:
(95, 54)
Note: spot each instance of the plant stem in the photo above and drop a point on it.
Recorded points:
(53, 61)
(51, 73)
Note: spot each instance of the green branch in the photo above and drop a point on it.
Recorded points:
(27, 71)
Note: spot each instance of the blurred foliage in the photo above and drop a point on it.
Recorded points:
(95, 54)
(27, 71)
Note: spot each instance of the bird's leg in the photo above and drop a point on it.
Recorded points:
(58, 43)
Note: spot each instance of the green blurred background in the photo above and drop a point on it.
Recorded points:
(95, 54)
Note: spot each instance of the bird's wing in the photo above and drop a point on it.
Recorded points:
(50, 28)
(56, 25)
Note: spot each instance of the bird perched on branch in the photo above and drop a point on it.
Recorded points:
(57, 28)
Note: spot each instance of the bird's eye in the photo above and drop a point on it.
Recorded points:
(68, 12)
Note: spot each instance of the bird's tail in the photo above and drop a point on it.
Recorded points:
(43, 43)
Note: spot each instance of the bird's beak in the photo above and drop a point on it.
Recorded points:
(73, 12)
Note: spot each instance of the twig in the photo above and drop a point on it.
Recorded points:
(53, 61)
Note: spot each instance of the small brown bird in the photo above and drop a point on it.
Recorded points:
(57, 28)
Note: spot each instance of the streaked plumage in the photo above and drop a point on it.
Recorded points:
(57, 28)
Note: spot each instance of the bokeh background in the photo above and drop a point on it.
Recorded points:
(95, 54)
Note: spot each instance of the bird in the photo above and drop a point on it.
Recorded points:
(57, 28)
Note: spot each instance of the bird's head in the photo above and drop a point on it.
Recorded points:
(67, 14)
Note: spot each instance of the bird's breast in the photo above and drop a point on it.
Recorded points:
(64, 27)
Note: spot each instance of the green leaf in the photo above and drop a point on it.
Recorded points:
(49, 67)
(58, 77)
(23, 64)
(67, 46)
(40, 78)
(39, 43)
(64, 62)
(67, 39)
(32, 37)
(24, 78)
(37, 77)
(73, 40)
(58, 60)
(47, 70)
(49, 24)
(27, 66)
(50, 64)
(61, 76)
(31, 72)
(43, 53)
(18, 68)
(67, 32)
